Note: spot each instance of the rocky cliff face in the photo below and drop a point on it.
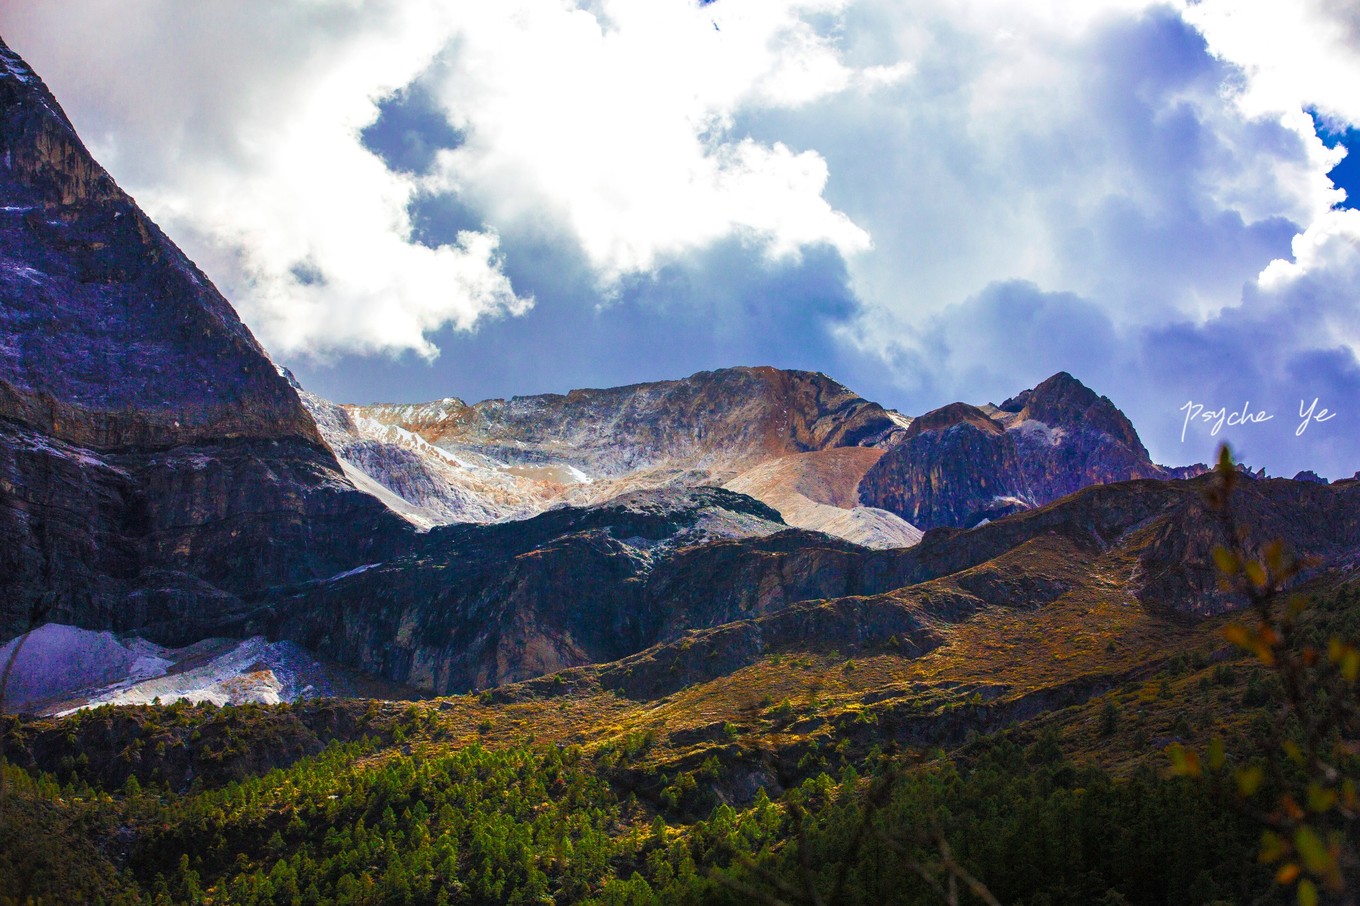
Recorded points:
(154, 466)
(477, 605)
(679, 586)
(112, 337)
(956, 466)
(961, 464)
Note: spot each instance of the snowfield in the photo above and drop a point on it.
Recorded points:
(62, 668)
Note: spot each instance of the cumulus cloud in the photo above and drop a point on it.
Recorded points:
(240, 130)
(614, 125)
(1103, 155)
(1131, 190)
(1300, 54)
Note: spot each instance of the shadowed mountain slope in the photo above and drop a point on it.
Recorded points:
(959, 465)
(482, 605)
(153, 463)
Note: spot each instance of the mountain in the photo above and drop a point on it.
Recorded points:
(114, 339)
(476, 606)
(960, 465)
(61, 668)
(154, 466)
(825, 458)
(709, 648)
(448, 461)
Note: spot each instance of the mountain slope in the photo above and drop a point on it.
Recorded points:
(113, 337)
(154, 466)
(959, 465)
(448, 461)
(817, 491)
(479, 605)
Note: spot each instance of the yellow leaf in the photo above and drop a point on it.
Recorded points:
(1216, 753)
(1320, 799)
(1307, 893)
(1225, 460)
(1350, 665)
(1249, 779)
(1256, 573)
(1238, 634)
(1288, 873)
(1272, 847)
(1184, 762)
(1336, 649)
(1226, 561)
(1313, 851)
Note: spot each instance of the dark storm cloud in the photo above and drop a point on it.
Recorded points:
(1264, 356)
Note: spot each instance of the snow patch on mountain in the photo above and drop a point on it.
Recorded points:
(60, 669)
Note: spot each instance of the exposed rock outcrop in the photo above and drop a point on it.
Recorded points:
(448, 461)
(154, 466)
(960, 464)
(481, 605)
(113, 338)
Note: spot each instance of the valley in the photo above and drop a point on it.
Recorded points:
(684, 641)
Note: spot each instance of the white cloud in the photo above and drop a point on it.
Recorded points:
(1305, 53)
(616, 126)
(1325, 268)
(1132, 165)
(1096, 149)
(237, 127)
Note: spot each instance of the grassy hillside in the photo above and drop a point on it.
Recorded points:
(1033, 742)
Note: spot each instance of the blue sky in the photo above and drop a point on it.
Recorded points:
(950, 199)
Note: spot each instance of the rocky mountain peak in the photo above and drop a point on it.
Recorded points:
(447, 460)
(1062, 401)
(946, 417)
(1039, 445)
(116, 339)
(154, 466)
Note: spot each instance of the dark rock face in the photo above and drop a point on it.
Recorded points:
(959, 465)
(743, 599)
(956, 466)
(1068, 438)
(114, 339)
(154, 466)
(481, 605)
(477, 605)
(172, 542)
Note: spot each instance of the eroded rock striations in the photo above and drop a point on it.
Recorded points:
(756, 430)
